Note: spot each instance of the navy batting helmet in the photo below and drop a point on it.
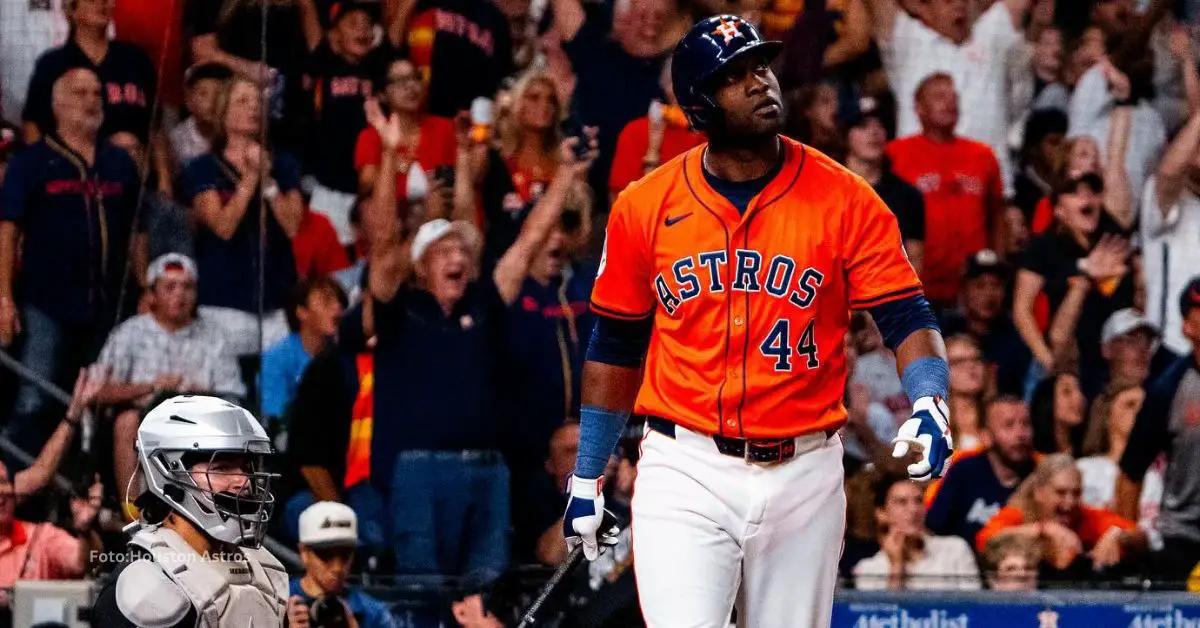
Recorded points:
(707, 48)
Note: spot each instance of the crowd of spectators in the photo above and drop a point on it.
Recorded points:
(375, 222)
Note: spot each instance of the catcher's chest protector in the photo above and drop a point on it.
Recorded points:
(246, 590)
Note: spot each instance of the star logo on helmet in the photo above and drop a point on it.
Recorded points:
(728, 30)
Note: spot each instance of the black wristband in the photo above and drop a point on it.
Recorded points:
(1125, 102)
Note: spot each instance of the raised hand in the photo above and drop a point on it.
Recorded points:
(87, 387)
(576, 160)
(1108, 259)
(388, 127)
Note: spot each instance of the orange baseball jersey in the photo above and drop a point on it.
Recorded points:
(750, 311)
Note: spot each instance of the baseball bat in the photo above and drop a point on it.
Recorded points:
(548, 589)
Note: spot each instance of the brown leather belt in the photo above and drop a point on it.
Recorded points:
(763, 451)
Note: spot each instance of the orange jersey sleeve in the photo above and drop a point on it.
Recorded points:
(1094, 522)
(877, 267)
(1007, 517)
(623, 287)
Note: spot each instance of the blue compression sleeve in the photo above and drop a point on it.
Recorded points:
(599, 431)
(620, 343)
(900, 318)
(926, 377)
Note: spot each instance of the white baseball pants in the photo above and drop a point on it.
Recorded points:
(711, 531)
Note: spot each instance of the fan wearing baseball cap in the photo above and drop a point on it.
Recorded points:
(1170, 422)
(169, 349)
(982, 314)
(1128, 343)
(867, 133)
(328, 538)
(338, 81)
(439, 329)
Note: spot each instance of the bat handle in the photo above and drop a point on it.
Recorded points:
(551, 585)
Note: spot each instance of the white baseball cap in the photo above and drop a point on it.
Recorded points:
(1125, 321)
(169, 262)
(328, 524)
(439, 228)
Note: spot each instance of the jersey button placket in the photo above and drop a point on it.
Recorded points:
(737, 338)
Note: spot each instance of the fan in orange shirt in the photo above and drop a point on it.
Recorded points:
(1048, 507)
(648, 141)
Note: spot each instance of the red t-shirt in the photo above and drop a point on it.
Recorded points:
(628, 159)
(958, 180)
(316, 247)
(436, 147)
(155, 25)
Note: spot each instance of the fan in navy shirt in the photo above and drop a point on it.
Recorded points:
(440, 344)
(67, 212)
(128, 79)
(618, 72)
(978, 485)
(462, 50)
(984, 315)
(548, 329)
(337, 83)
(223, 189)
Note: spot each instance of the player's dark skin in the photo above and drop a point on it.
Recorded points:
(743, 145)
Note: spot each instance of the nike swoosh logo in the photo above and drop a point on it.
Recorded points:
(670, 221)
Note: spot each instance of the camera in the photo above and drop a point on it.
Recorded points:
(328, 612)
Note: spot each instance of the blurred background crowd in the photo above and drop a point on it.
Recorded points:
(366, 221)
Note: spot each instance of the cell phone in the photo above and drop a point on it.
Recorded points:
(445, 174)
(573, 127)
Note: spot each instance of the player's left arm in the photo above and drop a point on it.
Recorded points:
(882, 280)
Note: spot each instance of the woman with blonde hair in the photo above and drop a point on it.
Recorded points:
(513, 171)
(1047, 507)
(246, 206)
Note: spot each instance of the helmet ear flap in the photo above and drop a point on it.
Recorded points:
(701, 115)
(175, 493)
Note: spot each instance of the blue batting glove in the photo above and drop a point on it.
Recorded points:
(585, 517)
(929, 431)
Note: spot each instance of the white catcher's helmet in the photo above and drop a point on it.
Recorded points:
(185, 430)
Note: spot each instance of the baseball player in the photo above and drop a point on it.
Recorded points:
(728, 278)
(197, 560)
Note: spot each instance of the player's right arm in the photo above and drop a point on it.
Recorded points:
(624, 302)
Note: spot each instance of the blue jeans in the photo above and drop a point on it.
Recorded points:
(450, 514)
(362, 498)
(54, 351)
